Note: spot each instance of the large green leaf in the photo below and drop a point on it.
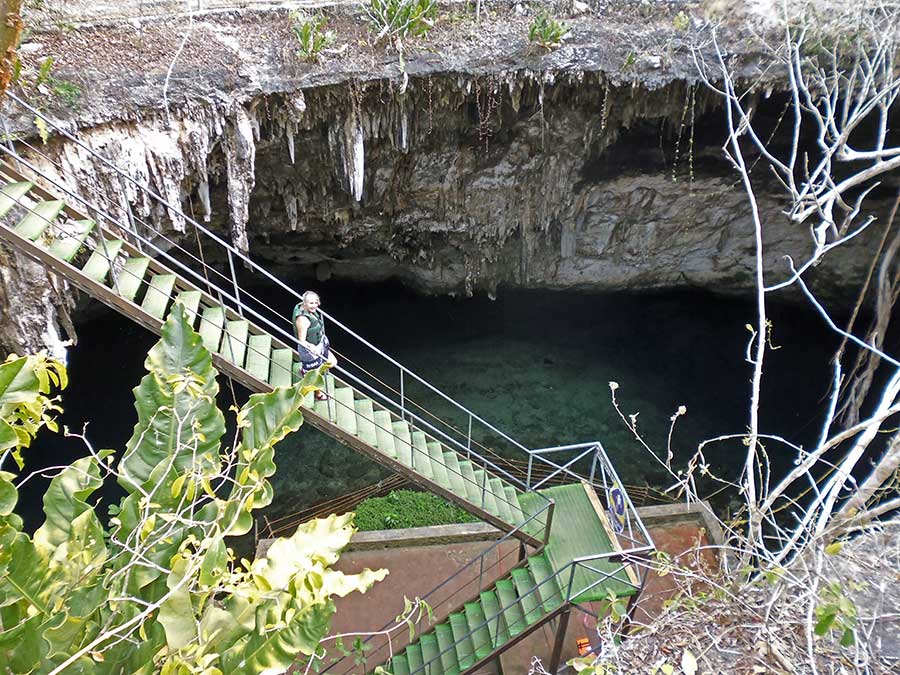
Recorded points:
(177, 612)
(23, 647)
(65, 500)
(18, 381)
(28, 578)
(274, 650)
(9, 496)
(178, 421)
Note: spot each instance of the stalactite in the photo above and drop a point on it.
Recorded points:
(240, 160)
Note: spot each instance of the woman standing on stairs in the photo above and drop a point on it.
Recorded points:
(312, 343)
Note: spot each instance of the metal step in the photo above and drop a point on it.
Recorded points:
(398, 665)
(414, 658)
(430, 651)
(211, 322)
(495, 485)
(528, 597)
(512, 499)
(39, 218)
(465, 651)
(547, 582)
(436, 459)
(69, 243)
(97, 266)
(156, 300)
(448, 661)
(473, 494)
(421, 462)
(402, 442)
(384, 433)
(454, 473)
(280, 371)
(485, 498)
(234, 341)
(496, 625)
(259, 353)
(481, 636)
(190, 300)
(11, 195)
(511, 610)
(345, 409)
(365, 422)
(131, 276)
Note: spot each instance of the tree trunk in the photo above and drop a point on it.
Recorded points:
(10, 30)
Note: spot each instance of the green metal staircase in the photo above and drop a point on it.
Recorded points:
(581, 563)
(105, 264)
(580, 559)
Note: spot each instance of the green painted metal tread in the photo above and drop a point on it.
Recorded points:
(280, 372)
(345, 409)
(365, 422)
(97, 266)
(510, 607)
(547, 583)
(158, 293)
(465, 651)
(399, 665)
(39, 218)
(495, 485)
(512, 499)
(485, 497)
(436, 459)
(481, 636)
(454, 473)
(402, 442)
(234, 341)
(68, 243)
(448, 660)
(471, 486)
(212, 320)
(430, 651)
(384, 433)
(414, 657)
(190, 300)
(11, 194)
(131, 276)
(528, 594)
(496, 625)
(259, 353)
(421, 461)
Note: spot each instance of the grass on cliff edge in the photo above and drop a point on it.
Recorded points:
(406, 508)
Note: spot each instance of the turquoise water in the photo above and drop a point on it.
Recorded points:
(536, 364)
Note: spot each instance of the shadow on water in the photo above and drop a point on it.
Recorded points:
(536, 364)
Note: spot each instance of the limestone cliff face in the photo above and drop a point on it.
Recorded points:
(457, 177)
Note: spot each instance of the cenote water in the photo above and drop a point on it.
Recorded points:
(535, 364)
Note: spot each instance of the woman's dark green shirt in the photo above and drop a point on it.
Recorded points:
(316, 324)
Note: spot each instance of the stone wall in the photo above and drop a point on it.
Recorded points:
(52, 12)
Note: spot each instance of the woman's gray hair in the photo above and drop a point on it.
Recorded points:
(306, 294)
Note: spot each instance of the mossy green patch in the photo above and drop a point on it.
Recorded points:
(406, 508)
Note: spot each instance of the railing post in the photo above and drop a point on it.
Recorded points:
(549, 522)
(560, 639)
(469, 440)
(237, 290)
(402, 398)
(594, 464)
(480, 573)
(528, 478)
(484, 487)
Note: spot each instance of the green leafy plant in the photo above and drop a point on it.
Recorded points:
(158, 590)
(681, 22)
(407, 508)
(836, 612)
(311, 34)
(547, 32)
(401, 18)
